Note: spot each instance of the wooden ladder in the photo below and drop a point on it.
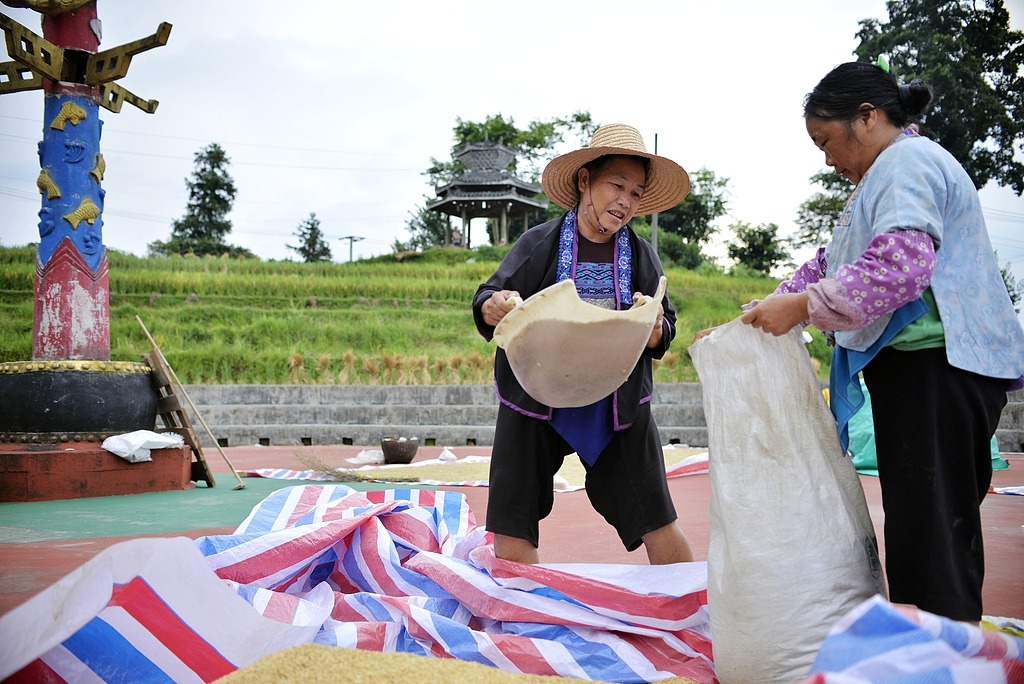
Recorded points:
(174, 417)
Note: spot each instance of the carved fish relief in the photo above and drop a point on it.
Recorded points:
(87, 211)
(47, 185)
(69, 111)
(100, 168)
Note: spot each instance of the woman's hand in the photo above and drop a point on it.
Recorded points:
(659, 329)
(779, 313)
(500, 303)
(701, 334)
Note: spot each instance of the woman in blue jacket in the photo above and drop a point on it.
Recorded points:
(910, 290)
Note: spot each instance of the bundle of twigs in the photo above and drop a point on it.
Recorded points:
(329, 472)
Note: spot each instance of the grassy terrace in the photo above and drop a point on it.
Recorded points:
(380, 321)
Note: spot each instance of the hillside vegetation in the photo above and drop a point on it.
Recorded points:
(399, 319)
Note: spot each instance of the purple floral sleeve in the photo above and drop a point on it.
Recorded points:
(812, 271)
(896, 268)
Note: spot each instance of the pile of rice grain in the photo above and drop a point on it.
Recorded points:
(319, 664)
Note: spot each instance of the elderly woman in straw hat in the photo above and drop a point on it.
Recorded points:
(601, 187)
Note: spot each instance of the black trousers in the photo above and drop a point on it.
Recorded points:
(627, 485)
(933, 430)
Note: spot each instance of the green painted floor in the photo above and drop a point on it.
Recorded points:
(152, 513)
(42, 542)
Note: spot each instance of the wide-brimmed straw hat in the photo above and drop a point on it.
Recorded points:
(667, 182)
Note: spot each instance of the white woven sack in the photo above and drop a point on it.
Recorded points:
(792, 548)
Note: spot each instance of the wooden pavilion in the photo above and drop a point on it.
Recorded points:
(487, 189)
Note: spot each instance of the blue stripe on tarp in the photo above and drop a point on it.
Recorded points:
(598, 660)
(111, 657)
(452, 514)
(878, 630)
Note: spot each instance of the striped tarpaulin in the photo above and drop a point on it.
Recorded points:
(879, 643)
(394, 570)
(408, 570)
(144, 610)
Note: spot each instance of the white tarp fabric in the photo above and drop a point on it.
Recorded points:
(135, 447)
(792, 548)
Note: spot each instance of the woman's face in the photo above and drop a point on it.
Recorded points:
(609, 198)
(847, 148)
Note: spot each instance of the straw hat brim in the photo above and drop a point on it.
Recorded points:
(667, 182)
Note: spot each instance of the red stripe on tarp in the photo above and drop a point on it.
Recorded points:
(992, 647)
(36, 672)
(372, 636)
(691, 469)
(343, 611)
(478, 601)
(665, 657)
(1014, 670)
(699, 643)
(138, 599)
(413, 532)
(594, 593)
(376, 566)
(281, 607)
(417, 629)
(308, 499)
(297, 550)
(417, 497)
(341, 583)
(524, 654)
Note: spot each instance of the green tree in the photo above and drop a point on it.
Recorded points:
(532, 145)
(428, 228)
(312, 246)
(1015, 289)
(818, 215)
(757, 247)
(211, 194)
(692, 220)
(676, 251)
(967, 51)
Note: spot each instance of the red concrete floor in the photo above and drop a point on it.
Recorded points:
(574, 533)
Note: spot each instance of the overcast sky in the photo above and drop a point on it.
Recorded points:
(336, 107)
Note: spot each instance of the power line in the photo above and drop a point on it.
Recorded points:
(351, 239)
(289, 148)
(1003, 216)
(31, 196)
(274, 165)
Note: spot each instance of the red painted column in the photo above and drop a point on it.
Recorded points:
(71, 316)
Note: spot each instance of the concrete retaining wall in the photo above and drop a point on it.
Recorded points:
(443, 415)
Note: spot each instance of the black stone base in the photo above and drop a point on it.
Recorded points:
(76, 398)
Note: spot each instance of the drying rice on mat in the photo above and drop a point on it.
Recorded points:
(318, 664)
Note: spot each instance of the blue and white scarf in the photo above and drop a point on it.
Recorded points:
(589, 429)
(622, 262)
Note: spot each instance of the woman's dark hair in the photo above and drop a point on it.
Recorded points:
(842, 92)
(596, 166)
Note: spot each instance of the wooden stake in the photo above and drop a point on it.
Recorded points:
(174, 377)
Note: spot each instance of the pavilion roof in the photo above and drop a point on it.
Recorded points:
(486, 185)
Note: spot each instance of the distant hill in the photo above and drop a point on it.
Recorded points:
(398, 319)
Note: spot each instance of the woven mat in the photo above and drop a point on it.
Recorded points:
(472, 471)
